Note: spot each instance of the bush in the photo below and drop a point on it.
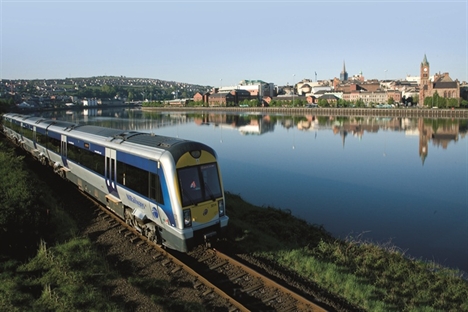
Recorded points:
(22, 215)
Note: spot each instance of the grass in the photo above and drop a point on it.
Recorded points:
(372, 277)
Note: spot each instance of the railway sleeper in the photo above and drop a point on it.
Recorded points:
(207, 257)
(252, 288)
(207, 292)
(218, 265)
(238, 276)
(134, 239)
(269, 299)
(166, 262)
(289, 308)
(233, 308)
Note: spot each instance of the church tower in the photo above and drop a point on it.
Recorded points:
(425, 86)
(344, 74)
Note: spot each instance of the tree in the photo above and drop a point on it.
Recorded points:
(130, 95)
(323, 103)
(360, 103)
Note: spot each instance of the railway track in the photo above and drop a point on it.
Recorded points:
(215, 273)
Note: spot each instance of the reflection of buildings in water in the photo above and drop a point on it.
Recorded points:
(311, 123)
(356, 128)
(287, 123)
(441, 135)
(258, 126)
(92, 112)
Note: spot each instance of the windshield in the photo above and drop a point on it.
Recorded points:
(199, 183)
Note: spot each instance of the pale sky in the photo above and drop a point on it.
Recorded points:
(220, 43)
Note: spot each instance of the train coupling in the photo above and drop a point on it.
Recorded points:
(208, 237)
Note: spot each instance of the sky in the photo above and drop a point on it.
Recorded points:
(220, 43)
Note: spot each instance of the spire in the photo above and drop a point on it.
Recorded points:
(344, 67)
(425, 62)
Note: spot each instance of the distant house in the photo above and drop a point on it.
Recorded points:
(330, 98)
(290, 98)
(231, 98)
(199, 97)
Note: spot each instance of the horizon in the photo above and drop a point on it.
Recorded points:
(219, 43)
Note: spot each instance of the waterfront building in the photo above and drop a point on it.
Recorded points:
(441, 83)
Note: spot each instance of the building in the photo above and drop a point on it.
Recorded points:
(199, 97)
(90, 102)
(395, 94)
(441, 83)
(257, 88)
(232, 98)
(344, 73)
(373, 97)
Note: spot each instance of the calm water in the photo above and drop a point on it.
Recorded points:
(396, 181)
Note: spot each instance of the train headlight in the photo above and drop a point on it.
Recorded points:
(221, 208)
(187, 218)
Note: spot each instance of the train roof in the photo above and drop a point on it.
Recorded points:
(176, 146)
(120, 136)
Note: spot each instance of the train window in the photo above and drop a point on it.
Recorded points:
(190, 186)
(199, 183)
(90, 160)
(27, 132)
(93, 161)
(54, 145)
(41, 139)
(133, 178)
(74, 153)
(211, 180)
(16, 126)
(155, 189)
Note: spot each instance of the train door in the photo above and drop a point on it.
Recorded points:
(63, 150)
(111, 171)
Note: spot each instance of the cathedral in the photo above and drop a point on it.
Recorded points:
(440, 83)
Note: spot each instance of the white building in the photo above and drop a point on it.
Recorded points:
(257, 88)
(89, 102)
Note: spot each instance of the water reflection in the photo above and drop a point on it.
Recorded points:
(439, 132)
(398, 180)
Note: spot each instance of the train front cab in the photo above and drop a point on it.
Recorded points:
(200, 195)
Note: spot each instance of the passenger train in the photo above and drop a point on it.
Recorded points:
(169, 189)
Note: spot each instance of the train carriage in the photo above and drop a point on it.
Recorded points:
(169, 189)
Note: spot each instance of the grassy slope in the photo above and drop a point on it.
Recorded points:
(372, 277)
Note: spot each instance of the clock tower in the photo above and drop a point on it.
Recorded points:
(425, 86)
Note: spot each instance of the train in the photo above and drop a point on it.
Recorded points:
(169, 189)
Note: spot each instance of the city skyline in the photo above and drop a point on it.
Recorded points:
(223, 42)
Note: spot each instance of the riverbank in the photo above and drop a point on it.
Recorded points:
(330, 111)
(369, 276)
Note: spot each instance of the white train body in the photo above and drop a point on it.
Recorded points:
(167, 188)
